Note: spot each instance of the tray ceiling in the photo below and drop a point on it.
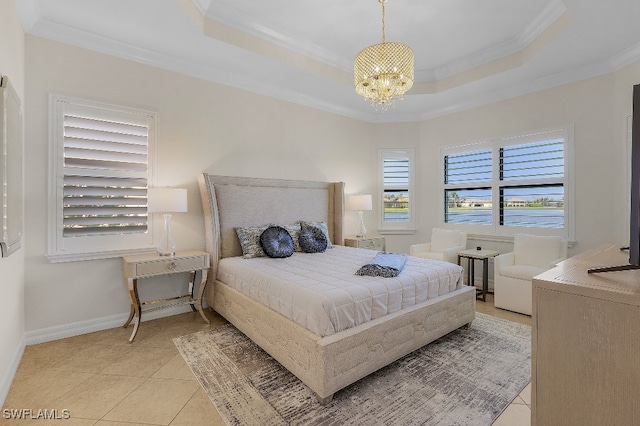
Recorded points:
(467, 53)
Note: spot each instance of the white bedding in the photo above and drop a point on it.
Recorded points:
(321, 292)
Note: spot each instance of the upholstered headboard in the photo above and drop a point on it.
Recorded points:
(229, 202)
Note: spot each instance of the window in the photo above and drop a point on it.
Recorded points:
(510, 185)
(396, 190)
(100, 169)
(469, 199)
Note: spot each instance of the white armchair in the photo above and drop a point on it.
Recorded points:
(513, 272)
(444, 245)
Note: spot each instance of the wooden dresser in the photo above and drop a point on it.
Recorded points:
(586, 343)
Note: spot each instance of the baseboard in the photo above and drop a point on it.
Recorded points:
(10, 373)
(69, 330)
(83, 327)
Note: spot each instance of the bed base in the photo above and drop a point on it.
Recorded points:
(328, 364)
(325, 364)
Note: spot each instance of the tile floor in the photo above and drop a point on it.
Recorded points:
(103, 380)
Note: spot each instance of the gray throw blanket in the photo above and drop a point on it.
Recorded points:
(385, 265)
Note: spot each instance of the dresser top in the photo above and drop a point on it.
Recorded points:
(572, 275)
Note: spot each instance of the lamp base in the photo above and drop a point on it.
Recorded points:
(166, 247)
(363, 230)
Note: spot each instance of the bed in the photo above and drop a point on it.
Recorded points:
(331, 361)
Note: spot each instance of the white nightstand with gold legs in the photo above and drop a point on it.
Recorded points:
(153, 265)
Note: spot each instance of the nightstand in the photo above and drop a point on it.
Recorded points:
(371, 243)
(153, 265)
(472, 255)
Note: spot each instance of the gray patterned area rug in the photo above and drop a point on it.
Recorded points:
(467, 377)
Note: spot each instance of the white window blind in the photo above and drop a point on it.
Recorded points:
(468, 167)
(509, 185)
(468, 200)
(396, 183)
(102, 169)
(396, 189)
(396, 173)
(538, 160)
(95, 202)
(532, 192)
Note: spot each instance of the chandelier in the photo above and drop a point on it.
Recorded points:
(383, 72)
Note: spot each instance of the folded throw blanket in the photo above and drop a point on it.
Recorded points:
(385, 265)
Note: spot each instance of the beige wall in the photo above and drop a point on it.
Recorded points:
(201, 127)
(12, 47)
(217, 129)
(596, 108)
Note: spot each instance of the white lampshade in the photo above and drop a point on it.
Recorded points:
(167, 200)
(360, 202)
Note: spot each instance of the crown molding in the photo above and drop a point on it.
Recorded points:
(599, 69)
(549, 82)
(202, 6)
(90, 41)
(104, 45)
(228, 16)
(625, 58)
(35, 24)
(30, 14)
(550, 14)
(251, 25)
(266, 42)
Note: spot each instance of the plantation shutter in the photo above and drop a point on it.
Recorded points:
(105, 185)
(538, 160)
(100, 166)
(396, 177)
(511, 184)
(533, 175)
(396, 174)
(468, 167)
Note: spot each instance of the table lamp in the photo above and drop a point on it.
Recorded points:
(361, 203)
(167, 201)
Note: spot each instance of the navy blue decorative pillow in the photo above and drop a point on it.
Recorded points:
(276, 242)
(312, 239)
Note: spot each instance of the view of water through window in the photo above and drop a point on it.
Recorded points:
(526, 189)
(527, 217)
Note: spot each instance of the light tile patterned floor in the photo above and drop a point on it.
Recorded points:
(103, 380)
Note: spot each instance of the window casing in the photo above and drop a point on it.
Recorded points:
(100, 169)
(396, 189)
(511, 185)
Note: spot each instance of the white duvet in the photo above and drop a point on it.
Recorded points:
(320, 292)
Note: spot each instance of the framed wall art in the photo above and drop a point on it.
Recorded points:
(11, 141)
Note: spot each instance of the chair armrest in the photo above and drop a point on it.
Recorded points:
(505, 259)
(419, 248)
(555, 262)
(451, 254)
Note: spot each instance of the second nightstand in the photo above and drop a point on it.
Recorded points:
(471, 256)
(371, 243)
